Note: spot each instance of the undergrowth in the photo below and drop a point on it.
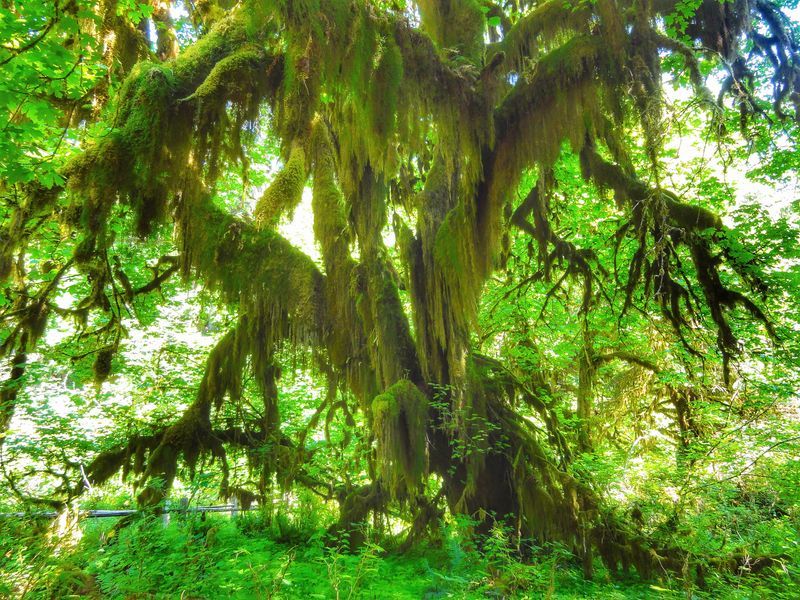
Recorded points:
(258, 556)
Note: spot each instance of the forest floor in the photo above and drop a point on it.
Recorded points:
(250, 558)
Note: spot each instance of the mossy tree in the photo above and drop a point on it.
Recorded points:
(428, 120)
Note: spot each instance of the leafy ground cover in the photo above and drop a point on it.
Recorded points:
(253, 556)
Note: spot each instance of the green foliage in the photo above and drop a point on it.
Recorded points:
(537, 325)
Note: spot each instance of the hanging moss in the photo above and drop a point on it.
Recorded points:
(384, 90)
(455, 24)
(153, 134)
(400, 417)
(346, 338)
(195, 62)
(228, 101)
(455, 264)
(449, 92)
(395, 353)
(118, 459)
(561, 102)
(359, 57)
(131, 162)
(151, 138)
(102, 365)
(286, 190)
(299, 94)
(537, 30)
(331, 228)
(259, 268)
(123, 43)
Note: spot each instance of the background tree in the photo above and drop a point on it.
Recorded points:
(442, 141)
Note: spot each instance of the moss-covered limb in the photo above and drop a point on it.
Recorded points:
(280, 294)
(538, 28)
(331, 227)
(346, 340)
(152, 136)
(399, 423)
(428, 72)
(194, 64)
(455, 24)
(298, 97)
(260, 270)
(286, 190)
(540, 230)
(610, 176)
(366, 73)
(384, 91)
(392, 351)
(366, 200)
(133, 456)
(559, 102)
(684, 400)
(57, 501)
(718, 25)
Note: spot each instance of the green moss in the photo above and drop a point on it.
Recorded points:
(455, 259)
(131, 162)
(197, 60)
(384, 90)
(457, 25)
(396, 354)
(691, 218)
(286, 190)
(360, 57)
(400, 417)
(231, 75)
(298, 95)
(228, 101)
(540, 27)
(447, 247)
(260, 268)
